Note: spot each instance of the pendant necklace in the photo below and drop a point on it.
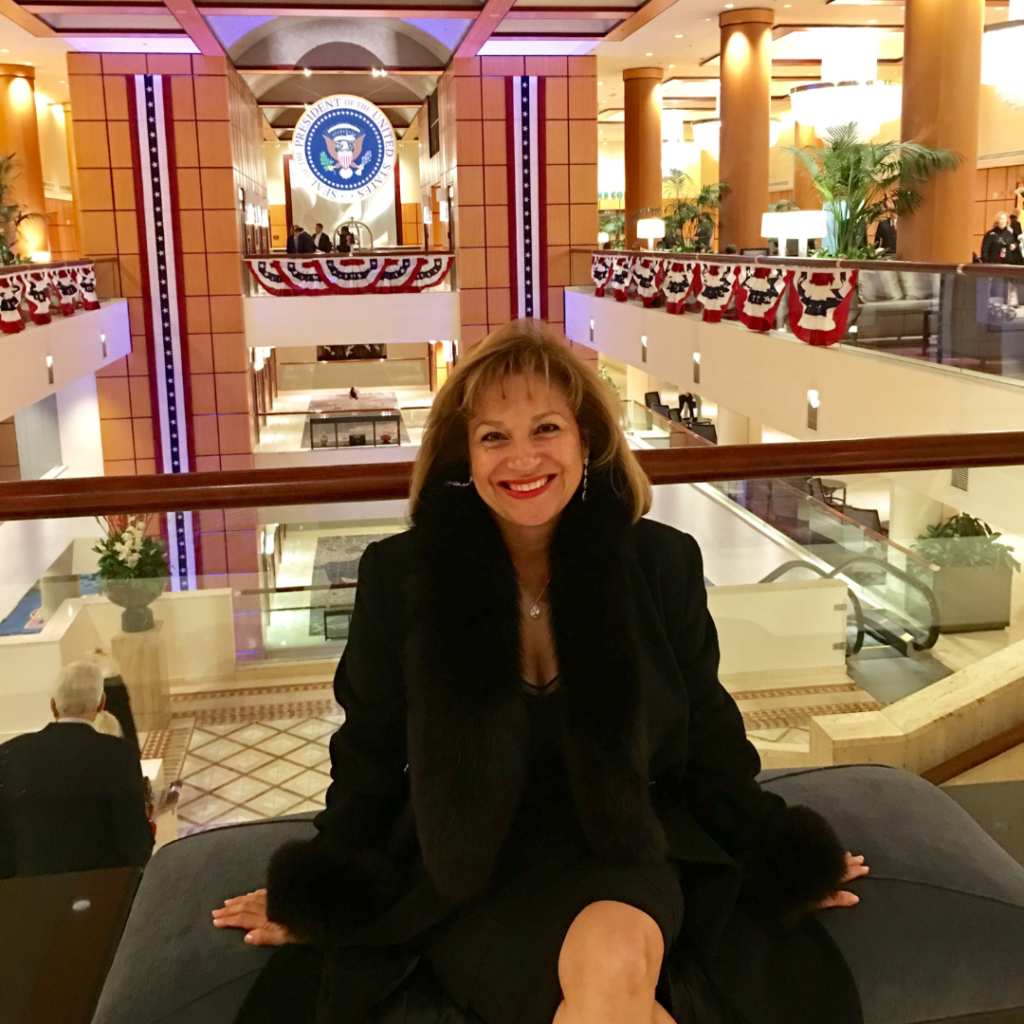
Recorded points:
(535, 609)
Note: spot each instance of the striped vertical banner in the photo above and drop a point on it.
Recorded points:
(526, 191)
(162, 291)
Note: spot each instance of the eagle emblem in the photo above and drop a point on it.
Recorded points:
(344, 149)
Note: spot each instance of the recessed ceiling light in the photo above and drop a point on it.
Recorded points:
(307, 72)
(649, 55)
(872, 21)
(679, 35)
(671, 65)
(5, 51)
(600, 83)
(728, 6)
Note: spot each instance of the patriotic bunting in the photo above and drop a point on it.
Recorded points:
(10, 304)
(433, 271)
(681, 277)
(399, 275)
(304, 277)
(717, 284)
(819, 304)
(62, 281)
(600, 272)
(37, 295)
(758, 295)
(86, 278)
(350, 276)
(647, 278)
(622, 273)
(269, 277)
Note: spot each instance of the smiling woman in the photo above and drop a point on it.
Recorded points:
(544, 804)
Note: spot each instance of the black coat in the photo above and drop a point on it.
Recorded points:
(655, 747)
(71, 799)
(998, 246)
(321, 242)
(301, 243)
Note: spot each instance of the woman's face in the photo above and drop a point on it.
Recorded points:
(525, 451)
(1001, 221)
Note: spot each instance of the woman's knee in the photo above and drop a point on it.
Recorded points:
(612, 946)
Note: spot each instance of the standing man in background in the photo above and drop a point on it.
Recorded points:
(321, 241)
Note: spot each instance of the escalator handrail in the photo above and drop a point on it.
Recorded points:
(858, 610)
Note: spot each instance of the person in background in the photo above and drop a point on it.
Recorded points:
(321, 241)
(71, 799)
(730, 250)
(1016, 254)
(344, 242)
(1000, 244)
(885, 235)
(301, 241)
(118, 703)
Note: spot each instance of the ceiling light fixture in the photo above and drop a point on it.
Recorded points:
(1000, 56)
(307, 72)
(848, 90)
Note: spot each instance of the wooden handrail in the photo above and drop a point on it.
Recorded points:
(63, 498)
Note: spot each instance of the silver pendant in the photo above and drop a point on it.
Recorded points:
(535, 612)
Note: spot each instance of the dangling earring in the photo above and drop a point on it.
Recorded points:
(459, 483)
(586, 465)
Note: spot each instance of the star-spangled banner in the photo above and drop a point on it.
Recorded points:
(266, 273)
(647, 278)
(65, 287)
(600, 272)
(37, 295)
(681, 278)
(161, 287)
(10, 304)
(433, 271)
(525, 139)
(622, 275)
(349, 276)
(397, 275)
(303, 277)
(819, 304)
(86, 279)
(717, 284)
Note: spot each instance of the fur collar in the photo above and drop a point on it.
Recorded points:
(467, 724)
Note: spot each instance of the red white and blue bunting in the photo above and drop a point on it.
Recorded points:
(600, 272)
(819, 304)
(717, 284)
(819, 300)
(525, 140)
(681, 280)
(758, 295)
(162, 291)
(349, 275)
(36, 287)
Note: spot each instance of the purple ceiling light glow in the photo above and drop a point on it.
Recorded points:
(537, 47)
(132, 44)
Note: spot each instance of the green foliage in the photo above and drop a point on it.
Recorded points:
(602, 372)
(12, 216)
(964, 540)
(782, 206)
(614, 223)
(325, 161)
(859, 182)
(127, 552)
(689, 209)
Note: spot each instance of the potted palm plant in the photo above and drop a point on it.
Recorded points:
(613, 223)
(690, 211)
(972, 586)
(12, 216)
(132, 569)
(858, 182)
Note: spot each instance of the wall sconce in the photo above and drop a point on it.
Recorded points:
(643, 348)
(813, 402)
(696, 367)
(103, 345)
(591, 332)
(49, 368)
(442, 212)
(428, 216)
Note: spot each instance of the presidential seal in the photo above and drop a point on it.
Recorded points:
(345, 147)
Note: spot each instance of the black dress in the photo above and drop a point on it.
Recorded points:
(496, 958)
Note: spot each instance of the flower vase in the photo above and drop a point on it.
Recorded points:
(135, 597)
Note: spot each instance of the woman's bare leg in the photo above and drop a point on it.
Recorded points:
(609, 967)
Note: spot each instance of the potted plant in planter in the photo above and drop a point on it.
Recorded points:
(12, 216)
(132, 568)
(972, 586)
(689, 212)
(859, 182)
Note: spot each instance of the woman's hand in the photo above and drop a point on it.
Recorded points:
(250, 912)
(855, 868)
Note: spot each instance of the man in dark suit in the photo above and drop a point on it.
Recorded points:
(885, 235)
(301, 241)
(71, 799)
(321, 241)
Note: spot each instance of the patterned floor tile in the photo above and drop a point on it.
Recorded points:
(252, 733)
(218, 750)
(308, 784)
(313, 729)
(213, 777)
(242, 789)
(193, 764)
(246, 761)
(281, 744)
(220, 729)
(203, 810)
(306, 806)
(310, 755)
(273, 802)
(276, 772)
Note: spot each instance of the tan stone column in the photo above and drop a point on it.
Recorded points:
(19, 134)
(941, 96)
(642, 143)
(73, 164)
(746, 109)
(805, 195)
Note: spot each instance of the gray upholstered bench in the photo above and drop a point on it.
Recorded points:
(938, 936)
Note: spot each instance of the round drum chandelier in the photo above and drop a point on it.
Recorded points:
(1002, 47)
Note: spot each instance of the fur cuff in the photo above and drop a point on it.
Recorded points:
(801, 864)
(318, 896)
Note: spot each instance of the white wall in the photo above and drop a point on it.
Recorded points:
(351, 319)
(75, 345)
(78, 415)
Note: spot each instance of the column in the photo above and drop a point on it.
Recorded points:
(941, 96)
(19, 134)
(643, 144)
(746, 109)
(73, 165)
(805, 195)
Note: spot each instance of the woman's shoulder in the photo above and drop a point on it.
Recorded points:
(663, 547)
(389, 557)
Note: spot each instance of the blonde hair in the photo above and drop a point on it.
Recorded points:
(525, 348)
(107, 724)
